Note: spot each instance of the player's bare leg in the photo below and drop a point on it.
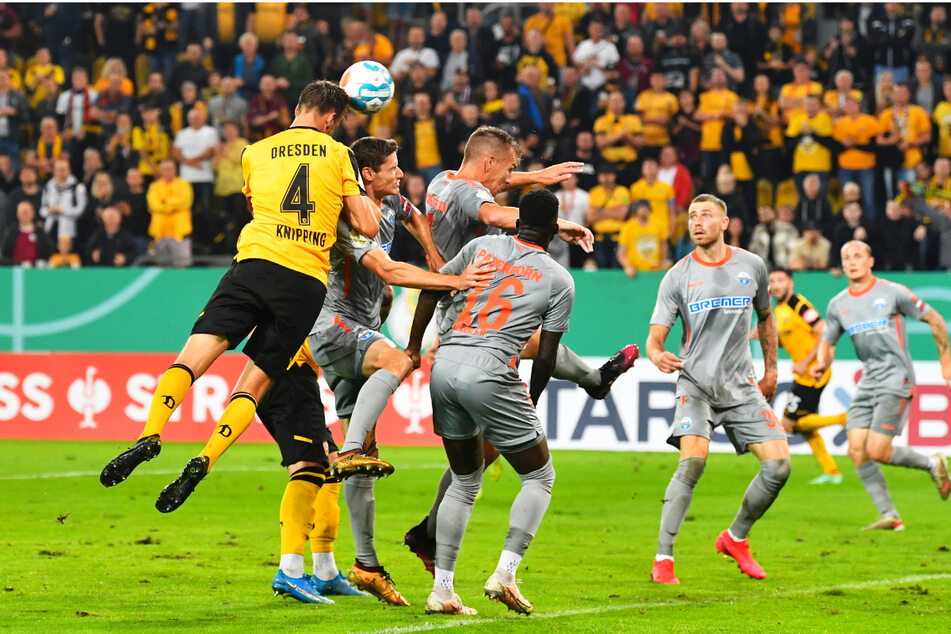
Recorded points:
(774, 471)
(385, 368)
(237, 417)
(693, 460)
(193, 361)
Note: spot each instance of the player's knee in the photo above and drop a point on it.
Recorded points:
(402, 365)
(857, 453)
(544, 478)
(689, 470)
(879, 453)
(776, 471)
(465, 488)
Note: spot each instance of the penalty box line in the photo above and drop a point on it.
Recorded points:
(451, 622)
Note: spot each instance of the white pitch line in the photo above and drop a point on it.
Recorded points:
(276, 468)
(451, 621)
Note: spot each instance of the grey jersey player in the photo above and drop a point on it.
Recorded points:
(477, 393)
(873, 313)
(460, 206)
(361, 365)
(714, 291)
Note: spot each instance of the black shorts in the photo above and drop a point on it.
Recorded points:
(803, 400)
(278, 304)
(294, 416)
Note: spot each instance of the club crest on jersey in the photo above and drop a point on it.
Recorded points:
(879, 304)
(366, 335)
(743, 278)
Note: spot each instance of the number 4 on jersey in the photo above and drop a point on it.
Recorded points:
(297, 198)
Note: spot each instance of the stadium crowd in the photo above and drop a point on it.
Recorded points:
(122, 126)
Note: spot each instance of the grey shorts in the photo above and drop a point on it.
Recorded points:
(345, 392)
(746, 424)
(341, 347)
(880, 412)
(473, 393)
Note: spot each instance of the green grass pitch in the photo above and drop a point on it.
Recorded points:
(75, 556)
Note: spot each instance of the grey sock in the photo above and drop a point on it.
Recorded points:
(361, 506)
(677, 500)
(454, 514)
(905, 457)
(570, 367)
(871, 476)
(760, 495)
(529, 508)
(371, 402)
(444, 483)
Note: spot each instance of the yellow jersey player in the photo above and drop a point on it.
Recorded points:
(298, 182)
(799, 327)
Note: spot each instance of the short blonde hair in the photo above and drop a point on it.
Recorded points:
(710, 198)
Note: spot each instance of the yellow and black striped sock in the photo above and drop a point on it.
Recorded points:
(813, 422)
(236, 418)
(297, 509)
(169, 393)
(823, 457)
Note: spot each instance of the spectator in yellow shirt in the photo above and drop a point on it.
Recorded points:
(792, 96)
(41, 68)
(658, 194)
(716, 106)
(833, 101)
(170, 203)
(809, 138)
(641, 243)
(608, 205)
(618, 136)
(856, 133)
(151, 142)
(942, 119)
(656, 108)
(906, 127)
(559, 34)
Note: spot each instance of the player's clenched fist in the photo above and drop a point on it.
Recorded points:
(668, 362)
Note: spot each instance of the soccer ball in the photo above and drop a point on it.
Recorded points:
(369, 85)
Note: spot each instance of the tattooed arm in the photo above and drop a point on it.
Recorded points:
(766, 328)
(940, 331)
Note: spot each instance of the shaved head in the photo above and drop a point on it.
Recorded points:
(486, 141)
(857, 243)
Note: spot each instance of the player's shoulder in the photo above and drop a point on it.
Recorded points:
(749, 258)
(839, 298)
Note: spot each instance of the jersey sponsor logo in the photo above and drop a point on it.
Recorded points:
(718, 302)
(685, 422)
(507, 268)
(366, 335)
(435, 204)
(484, 195)
(880, 304)
(386, 247)
(358, 239)
(866, 326)
(316, 238)
(743, 278)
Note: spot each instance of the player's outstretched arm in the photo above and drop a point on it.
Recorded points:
(548, 176)
(766, 328)
(801, 366)
(544, 363)
(425, 307)
(575, 233)
(421, 230)
(409, 276)
(939, 329)
(362, 214)
(666, 362)
(824, 359)
(496, 215)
